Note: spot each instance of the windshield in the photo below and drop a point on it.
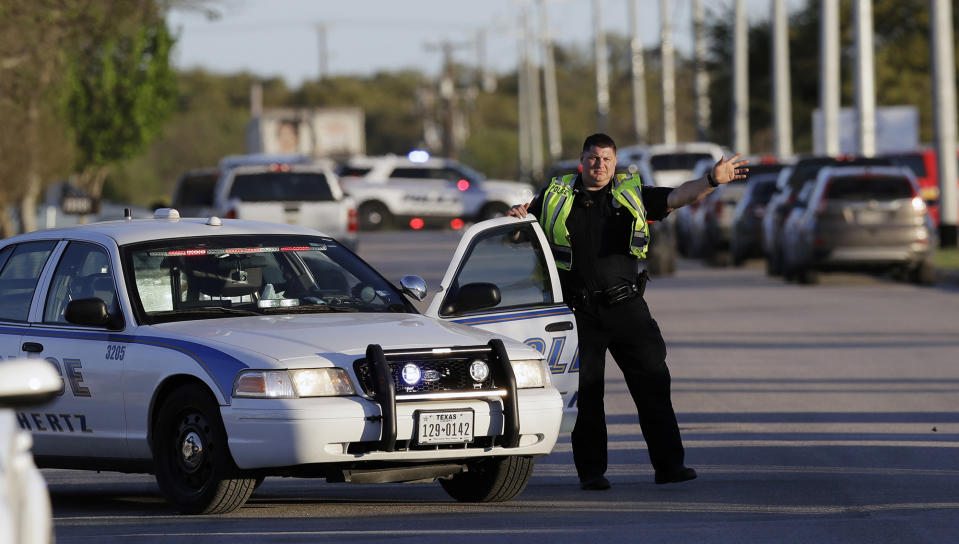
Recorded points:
(281, 186)
(863, 189)
(677, 161)
(224, 276)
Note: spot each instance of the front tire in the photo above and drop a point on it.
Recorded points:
(496, 479)
(194, 468)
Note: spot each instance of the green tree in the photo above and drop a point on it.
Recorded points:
(33, 36)
(121, 87)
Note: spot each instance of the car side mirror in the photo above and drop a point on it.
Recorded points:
(91, 312)
(472, 297)
(413, 286)
(27, 382)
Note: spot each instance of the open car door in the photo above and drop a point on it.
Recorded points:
(503, 279)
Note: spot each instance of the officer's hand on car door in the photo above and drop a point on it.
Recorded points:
(518, 210)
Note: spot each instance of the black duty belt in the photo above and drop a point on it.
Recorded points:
(611, 296)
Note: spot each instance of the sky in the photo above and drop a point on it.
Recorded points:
(280, 37)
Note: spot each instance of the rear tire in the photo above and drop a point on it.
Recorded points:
(496, 479)
(924, 274)
(808, 276)
(374, 216)
(493, 210)
(774, 264)
(194, 468)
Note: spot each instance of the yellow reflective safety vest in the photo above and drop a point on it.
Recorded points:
(558, 201)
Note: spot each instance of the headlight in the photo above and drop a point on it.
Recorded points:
(322, 382)
(289, 384)
(530, 374)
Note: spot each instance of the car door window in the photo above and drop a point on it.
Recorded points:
(409, 173)
(19, 276)
(510, 258)
(84, 271)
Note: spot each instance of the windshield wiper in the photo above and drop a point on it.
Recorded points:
(311, 309)
(209, 310)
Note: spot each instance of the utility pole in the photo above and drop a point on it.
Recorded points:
(701, 81)
(944, 108)
(448, 95)
(638, 69)
(533, 102)
(522, 99)
(602, 68)
(668, 77)
(486, 83)
(554, 136)
(324, 52)
(740, 80)
(782, 118)
(829, 78)
(865, 77)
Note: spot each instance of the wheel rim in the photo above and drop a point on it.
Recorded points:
(192, 456)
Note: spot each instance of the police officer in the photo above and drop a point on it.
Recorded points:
(596, 223)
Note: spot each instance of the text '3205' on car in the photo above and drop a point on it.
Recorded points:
(214, 353)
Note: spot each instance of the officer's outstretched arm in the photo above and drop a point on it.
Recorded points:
(695, 190)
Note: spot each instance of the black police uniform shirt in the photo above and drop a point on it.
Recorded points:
(599, 236)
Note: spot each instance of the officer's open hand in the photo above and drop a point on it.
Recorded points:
(518, 210)
(732, 169)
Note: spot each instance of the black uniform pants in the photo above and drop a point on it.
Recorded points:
(633, 338)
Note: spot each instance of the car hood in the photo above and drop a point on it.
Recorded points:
(331, 336)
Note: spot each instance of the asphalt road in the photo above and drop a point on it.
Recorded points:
(813, 414)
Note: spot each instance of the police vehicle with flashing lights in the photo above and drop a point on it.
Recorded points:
(216, 352)
(422, 191)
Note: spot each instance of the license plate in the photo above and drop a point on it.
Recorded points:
(869, 217)
(451, 427)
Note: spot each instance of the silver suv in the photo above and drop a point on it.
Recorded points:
(860, 218)
(420, 191)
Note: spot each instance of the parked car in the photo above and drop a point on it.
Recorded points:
(194, 190)
(788, 186)
(924, 164)
(673, 165)
(25, 515)
(861, 218)
(421, 191)
(713, 221)
(216, 352)
(685, 219)
(296, 192)
(746, 239)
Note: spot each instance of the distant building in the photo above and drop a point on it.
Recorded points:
(315, 132)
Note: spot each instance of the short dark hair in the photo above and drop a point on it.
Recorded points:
(599, 140)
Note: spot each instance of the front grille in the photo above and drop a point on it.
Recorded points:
(453, 376)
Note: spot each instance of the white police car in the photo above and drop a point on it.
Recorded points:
(216, 352)
(419, 190)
